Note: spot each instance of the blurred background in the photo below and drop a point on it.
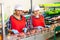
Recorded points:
(49, 8)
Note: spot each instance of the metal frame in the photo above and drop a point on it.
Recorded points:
(3, 27)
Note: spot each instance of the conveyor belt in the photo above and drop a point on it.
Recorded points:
(40, 36)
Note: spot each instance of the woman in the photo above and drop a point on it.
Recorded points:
(17, 20)
(37, 19)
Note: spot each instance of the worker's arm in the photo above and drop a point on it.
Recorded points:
(8, 24)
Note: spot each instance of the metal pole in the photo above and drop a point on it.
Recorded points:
(3, 27)
(31, 6)
(31, 13)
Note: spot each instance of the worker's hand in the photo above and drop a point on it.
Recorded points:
(25, 30)
(39, 27)
(15, 31)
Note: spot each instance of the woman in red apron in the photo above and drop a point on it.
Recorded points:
(37, 19)
(17, 20)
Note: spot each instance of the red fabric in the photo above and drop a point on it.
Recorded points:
(18, 24)
(38, 21)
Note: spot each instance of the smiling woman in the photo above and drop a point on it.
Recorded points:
(17, 18)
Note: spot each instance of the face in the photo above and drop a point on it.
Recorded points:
(18, 12)
(36, 12)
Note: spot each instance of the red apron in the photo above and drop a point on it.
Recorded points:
(38, 21)
(18, 24)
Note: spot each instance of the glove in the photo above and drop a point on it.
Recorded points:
(39, 27)
(47, 26)
(25, 30)
(15, 31)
